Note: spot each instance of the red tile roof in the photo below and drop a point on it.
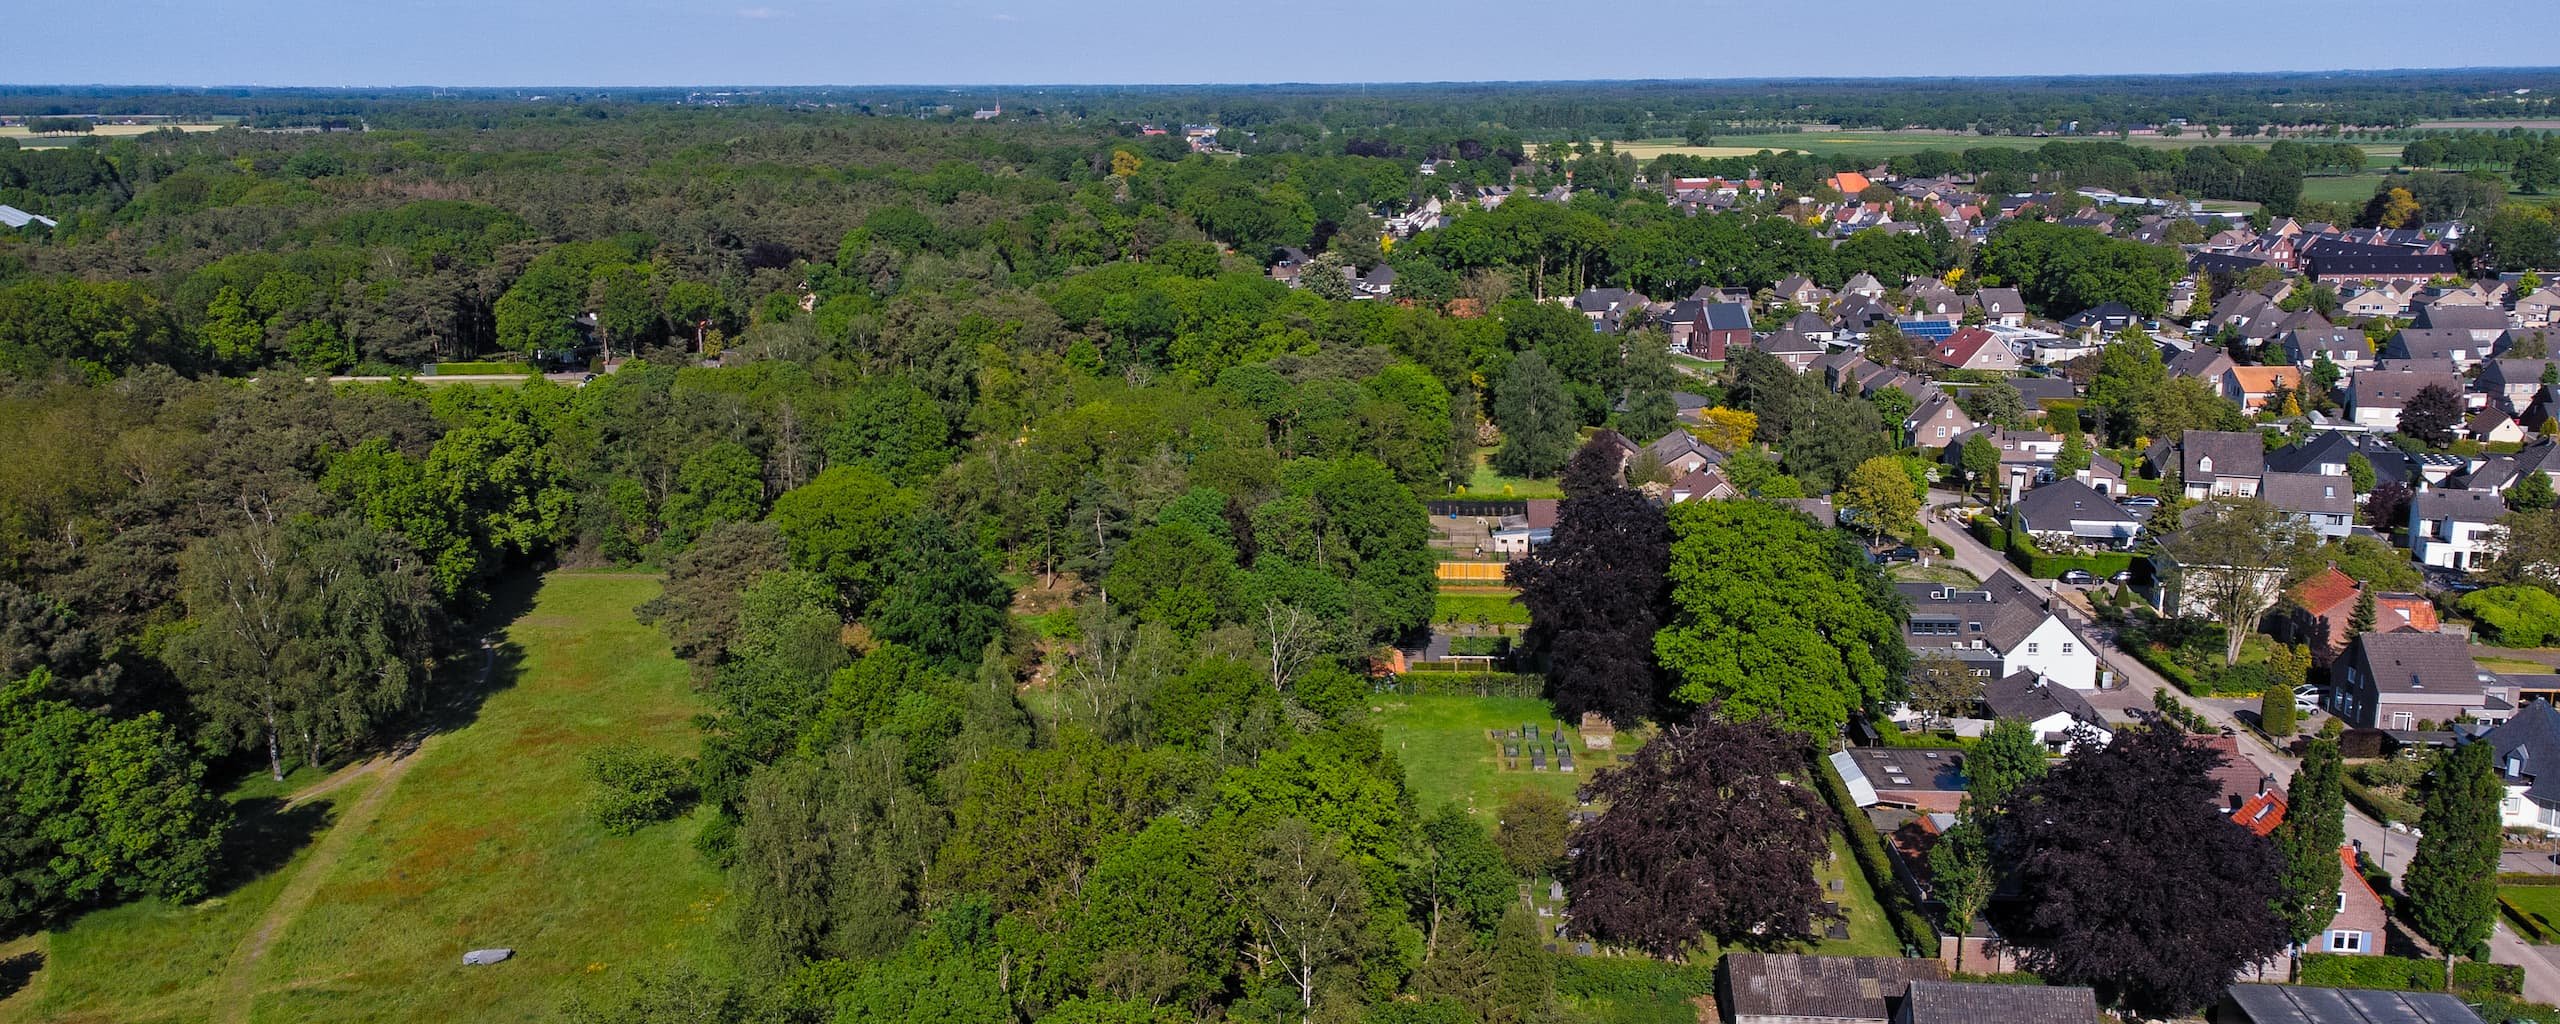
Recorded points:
(2263, 813)
(2326, 591)
(1849, 183)
(1962, 346)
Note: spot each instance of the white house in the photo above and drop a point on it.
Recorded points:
(2449, 529)
(1999, 631)
(2526, 748)
(2059, 715)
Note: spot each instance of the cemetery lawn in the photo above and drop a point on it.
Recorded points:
(483, 840)
(1447, 759)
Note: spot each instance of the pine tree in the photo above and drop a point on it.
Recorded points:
(2363, 620)
(2452, 880)
(2314, 825)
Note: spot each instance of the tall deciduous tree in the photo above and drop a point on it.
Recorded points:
(2234, 557)
(1881, 496)
(2009, 758)
(2453, 878)
(1536, 416)
(1596, 593)
(1709, 829)
(844, 526)
(2314, 825)
(94, 809)
(1774, 615)
(2144, 890)
(1960, 876)
(307, 635)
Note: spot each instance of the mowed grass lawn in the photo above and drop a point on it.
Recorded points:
(2540, 904)
(484, 842)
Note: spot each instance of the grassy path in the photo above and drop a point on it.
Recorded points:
(238, 985)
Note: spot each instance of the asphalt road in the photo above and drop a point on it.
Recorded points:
(2390, 848)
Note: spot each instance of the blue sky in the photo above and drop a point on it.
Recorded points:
(859, 42)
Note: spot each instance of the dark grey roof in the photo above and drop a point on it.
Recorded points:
(2201, 361)
(2296, 1004)
(2460, 506)
(2408, 661)
(1950, 1002)
(2000, 613)
(1728, 316)
(2376, 262)
(2309, 493)
(1809, 322)
(2392, 388)
(1788, 341)
(1838, 987)
(2028, 696)
(2235, 453)
(2502, 372)
(1997, 301)
(2499, 472)
(2535, 730)
(2438, 316)
(2334, 447)
(2044, 389)
(2053, 507)
(2432, 343)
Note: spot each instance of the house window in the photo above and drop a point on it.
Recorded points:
(2205, 464)
(2066, 647)
(2342, 901)
(2404, 720)
(2346, 942)
(2031, 648)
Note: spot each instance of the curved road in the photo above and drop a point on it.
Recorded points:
(2390, 848)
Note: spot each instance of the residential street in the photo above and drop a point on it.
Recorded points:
(2132, 691)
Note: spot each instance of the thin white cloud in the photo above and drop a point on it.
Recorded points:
(759, 13)
(1003, 17)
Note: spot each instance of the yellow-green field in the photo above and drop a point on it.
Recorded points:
(480, 839)
(29, 140)
(1882, 144)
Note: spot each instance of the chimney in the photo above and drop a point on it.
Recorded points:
(2017, 484)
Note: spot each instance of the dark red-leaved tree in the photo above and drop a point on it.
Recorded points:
(1712, 828)
(1596, 592)
(2140, 886)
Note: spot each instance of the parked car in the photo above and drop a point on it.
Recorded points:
(2121, 576)
(2138, 501)
(1905, 553)
(2080, 578)
(2305, 705)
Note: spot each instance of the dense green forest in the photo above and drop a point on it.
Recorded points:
(1297, 116)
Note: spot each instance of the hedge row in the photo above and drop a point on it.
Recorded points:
(2023, 552)
(2526, 878)
(1916, 931)
(2525, 923)
(482, 369)
(2407, 974)
(2379, 804)
(2157, 660)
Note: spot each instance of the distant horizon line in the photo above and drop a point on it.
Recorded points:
(1284, 84)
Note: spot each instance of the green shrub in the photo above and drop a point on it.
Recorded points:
(2397, 973)
(2390, 771)
(637, 786)
(2377, 803)
(2514, 616)
(1479, 646)
(1589, 977)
